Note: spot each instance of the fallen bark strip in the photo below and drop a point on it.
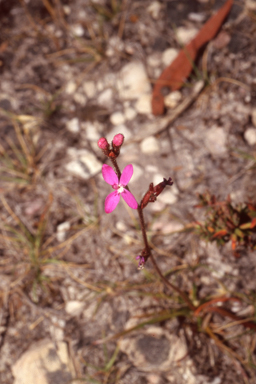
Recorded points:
(177, 72)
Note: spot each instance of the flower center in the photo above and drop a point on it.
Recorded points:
(120, 189)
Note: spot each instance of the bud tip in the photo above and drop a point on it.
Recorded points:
(118, 140)
(102, 143)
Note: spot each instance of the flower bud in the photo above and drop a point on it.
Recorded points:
(103, 144)
(118, 140)
(160, 187)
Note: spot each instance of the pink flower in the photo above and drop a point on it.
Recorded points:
(111, 178)
(141, 261)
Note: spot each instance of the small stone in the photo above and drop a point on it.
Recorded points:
(154, 9)
(89, 88)
(109, 80)
(169, 55)
(100, 85)
(149, 145)
(73, 125)
(43, 360)
(172, 227)
(251, 5)
(130, 113)
(117, 118)
(168, 197)
(62, 231)
(92, 130)
(119, 129)
(154, 60)
(254, 117)
(215, 141)
(77, 30)
(120, 226)
(129, 49)
(151, 168)
(70, 87)
(172, 100)
(115, 44)
(76, 168)
(222, 40)
(66, 9)
(197, 17)
(106, 97)
(185, 35)
(157, 206)
(84, 164)
(250, 136)
(74, 307)
(80, 98)
(133, 81)
(143, 105)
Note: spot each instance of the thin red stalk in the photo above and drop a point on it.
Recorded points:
(147, 247)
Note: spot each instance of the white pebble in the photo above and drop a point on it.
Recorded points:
(62, 231)
(70, 87)
(250, 136)
(106, 97)
(74, 307)
(251, 5)
(117, 118)
(154, 60)
(66, 9)
(168, 197)
(84, 163)
(100, 86)
(75, 168)
(172, 100)
(80, 99)
(73, 125)
(133, 81)
(77, 30)
(151, 168)
(149, 145)
(185, 35)
(143, 105)
(215, 141)
(154, 9)
(115, 44)
(130, 113)
(91, 129)
(120, 226)
(89, 88)
(169, 55)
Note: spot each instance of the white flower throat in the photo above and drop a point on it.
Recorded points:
(120, 189)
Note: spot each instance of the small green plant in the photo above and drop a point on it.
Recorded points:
(225, 222)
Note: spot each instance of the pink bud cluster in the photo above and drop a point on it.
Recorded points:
(116, 145)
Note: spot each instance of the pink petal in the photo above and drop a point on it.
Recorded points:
(109, 175)
(129, 199)
(126, 175)
(111, 201)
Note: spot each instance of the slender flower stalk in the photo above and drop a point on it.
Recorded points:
(119, 182)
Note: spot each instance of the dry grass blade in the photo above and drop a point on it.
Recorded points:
(153, 320)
